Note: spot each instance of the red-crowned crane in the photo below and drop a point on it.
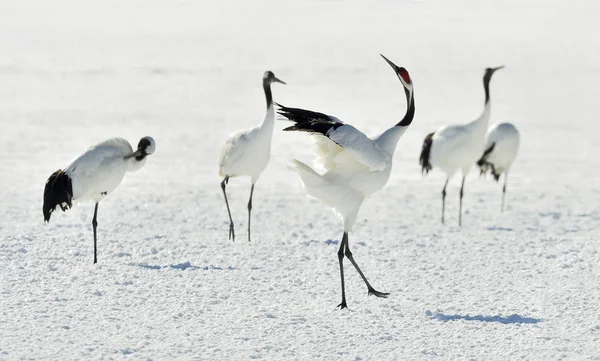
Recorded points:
(356, 166)
(93, 175)
(501, 147)
(458, 147)
(247, 151)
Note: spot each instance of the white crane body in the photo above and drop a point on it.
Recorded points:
(355, 166)
(93, 175)
(457, 147)
(500, 151)
(246, 152)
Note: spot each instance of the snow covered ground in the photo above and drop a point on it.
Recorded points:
(169, 285)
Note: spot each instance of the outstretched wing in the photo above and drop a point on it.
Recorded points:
(329, 131)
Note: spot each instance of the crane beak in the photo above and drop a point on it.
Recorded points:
(498, 68)
(137, 153)
(400, 72)
(394, 66)
(277, 80)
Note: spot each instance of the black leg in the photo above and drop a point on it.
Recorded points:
(444, 199)
(504, 191)
(372, 291)
(250, 210)
(231, 232)
(462, 186)
(94, 226)
(341, 259)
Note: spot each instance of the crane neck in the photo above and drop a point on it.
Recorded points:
(269, 121)
(482, 121)
(133, 164)
(485, 116)
(410, 110)
(389, 139)
(268, 94)
(486, 87)
(480, 124)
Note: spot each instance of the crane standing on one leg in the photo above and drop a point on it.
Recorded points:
(93, 175)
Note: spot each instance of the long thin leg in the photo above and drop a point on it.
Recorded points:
(444, 199)
(372, 291)
(94, 226)
(341, 259)
(250, 209)
(231, 232)
(462, 186)
(504, 191)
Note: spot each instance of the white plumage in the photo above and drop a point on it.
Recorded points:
(101, 169)
(500, 150)
(457, 147)
(358, 148)
(355, 165)
(246, 152)
(93, 175)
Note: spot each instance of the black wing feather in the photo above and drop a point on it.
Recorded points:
(308, 121)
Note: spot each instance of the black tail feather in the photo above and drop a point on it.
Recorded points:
(486, 153)
(484, 165)
(426, 153)
(57, 192)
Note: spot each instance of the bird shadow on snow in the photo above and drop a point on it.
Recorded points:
(330, 242)
(512, 319)
(494, 228)
(181, 266)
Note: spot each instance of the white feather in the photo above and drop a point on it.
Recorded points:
(334, 190)
(457, 147)
(359, 148)
(99, 170)
(246, 152)
(505, 138)
(352, 172)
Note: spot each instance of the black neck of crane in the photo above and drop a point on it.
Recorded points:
(410, 111)
(486, 85)
(268, 95)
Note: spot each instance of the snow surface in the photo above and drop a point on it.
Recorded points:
(170, 286)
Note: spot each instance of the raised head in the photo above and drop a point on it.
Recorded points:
(406, 81)
(489, 72)
(269, 78)
(402, 74)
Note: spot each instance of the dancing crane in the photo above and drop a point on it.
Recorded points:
(356, 166)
